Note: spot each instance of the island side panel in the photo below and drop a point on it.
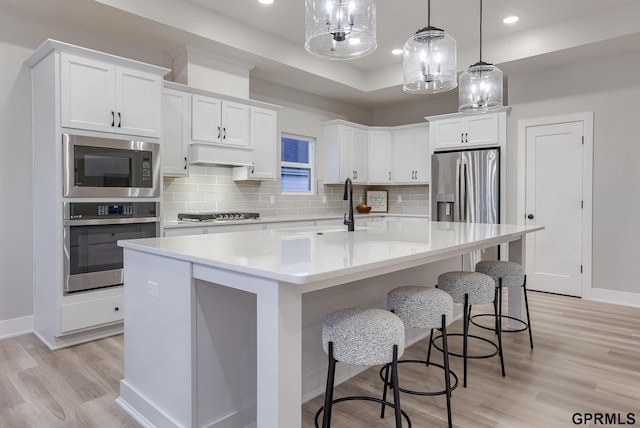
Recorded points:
(278, 343)
(159, 382)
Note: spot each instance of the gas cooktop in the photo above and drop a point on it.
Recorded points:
(218, 216)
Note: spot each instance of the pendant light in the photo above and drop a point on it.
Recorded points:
(429, 60)
(481, 85)
(340, 29)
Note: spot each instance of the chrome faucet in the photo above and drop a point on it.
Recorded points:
(348, 186)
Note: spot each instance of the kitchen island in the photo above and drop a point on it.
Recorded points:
(214, 326)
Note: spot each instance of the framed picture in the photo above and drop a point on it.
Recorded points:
(377, 200)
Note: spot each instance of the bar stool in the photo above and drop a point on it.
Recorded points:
(429, 308)
(365, 337)
(510, 275)
(470, 288)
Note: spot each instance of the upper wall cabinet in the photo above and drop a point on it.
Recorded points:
(220, 121)
(264, 141)
(203, 128)
(411, 159)
(390, 155)
(176, 129)
(346, 148)
(381, 157)
(101, 96)
(457, 132)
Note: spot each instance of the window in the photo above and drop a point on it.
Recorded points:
(296, 167)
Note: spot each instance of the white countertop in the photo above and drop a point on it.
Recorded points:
(308, 254)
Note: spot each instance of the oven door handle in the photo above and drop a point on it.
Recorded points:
(99, 221)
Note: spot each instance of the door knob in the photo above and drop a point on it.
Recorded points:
(530, 216)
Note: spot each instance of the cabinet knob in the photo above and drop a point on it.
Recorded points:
(224, 133)
(462, 137)
(530, 216)
(466, 139)
(119, 120)
(185, 162)
(389, 175)
(219, 132)
(117, 308)
(113, 118)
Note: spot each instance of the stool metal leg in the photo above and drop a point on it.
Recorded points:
(429, 347)
(384, 393)
(445, 356)
(328, 394)
(396, 390)
(499, 318)
(526, 306)
(465, 332)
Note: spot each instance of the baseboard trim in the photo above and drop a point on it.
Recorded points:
(623, 298)
(16, 327)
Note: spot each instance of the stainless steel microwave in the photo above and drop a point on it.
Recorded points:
(106, 167)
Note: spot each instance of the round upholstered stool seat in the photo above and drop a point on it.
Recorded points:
(363, 337)
(367, 337)
(470, 288)
(478, 287)
(511, 273)
(505, 274)
(427, 308)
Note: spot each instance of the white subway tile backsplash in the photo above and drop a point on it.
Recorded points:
(213, 189)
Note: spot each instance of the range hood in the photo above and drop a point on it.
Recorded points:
(218, 155)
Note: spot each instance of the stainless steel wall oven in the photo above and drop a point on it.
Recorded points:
(92, 258)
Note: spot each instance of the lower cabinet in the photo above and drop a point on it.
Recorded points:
(81, 315)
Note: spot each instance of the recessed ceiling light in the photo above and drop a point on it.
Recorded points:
(397, 51)
(266, 1)
(511, 19)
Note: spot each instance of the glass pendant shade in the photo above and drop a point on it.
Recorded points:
(429, 62)
(480, 88)
(340, 29)
(481, 85)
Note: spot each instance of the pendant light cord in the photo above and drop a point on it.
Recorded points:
(480, 30)
(428, 13)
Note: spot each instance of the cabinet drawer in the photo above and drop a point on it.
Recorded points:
(92, 313)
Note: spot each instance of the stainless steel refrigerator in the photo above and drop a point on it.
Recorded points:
(465, 187)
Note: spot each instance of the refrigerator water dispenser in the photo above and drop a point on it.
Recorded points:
(445, 206)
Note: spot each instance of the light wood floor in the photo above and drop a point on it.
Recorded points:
(586, 359)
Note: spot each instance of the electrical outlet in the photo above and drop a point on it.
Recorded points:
(399, 199)
(152, 289)
(360, 199)
(324, 199)
(272, 199)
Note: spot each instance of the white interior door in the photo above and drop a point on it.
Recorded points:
(554, 199)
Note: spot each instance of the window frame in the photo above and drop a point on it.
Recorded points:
(311, 164)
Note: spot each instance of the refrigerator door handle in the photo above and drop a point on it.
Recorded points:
(463, 191)
(457, 201)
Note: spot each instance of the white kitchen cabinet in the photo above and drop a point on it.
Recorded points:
(264, 141)
(176, 128)
(381, 157)
(411, 158)
(98, 95)
(346, 153)
(463, 132)
(220, 121)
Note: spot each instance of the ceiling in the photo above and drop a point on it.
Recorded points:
(270, 39)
